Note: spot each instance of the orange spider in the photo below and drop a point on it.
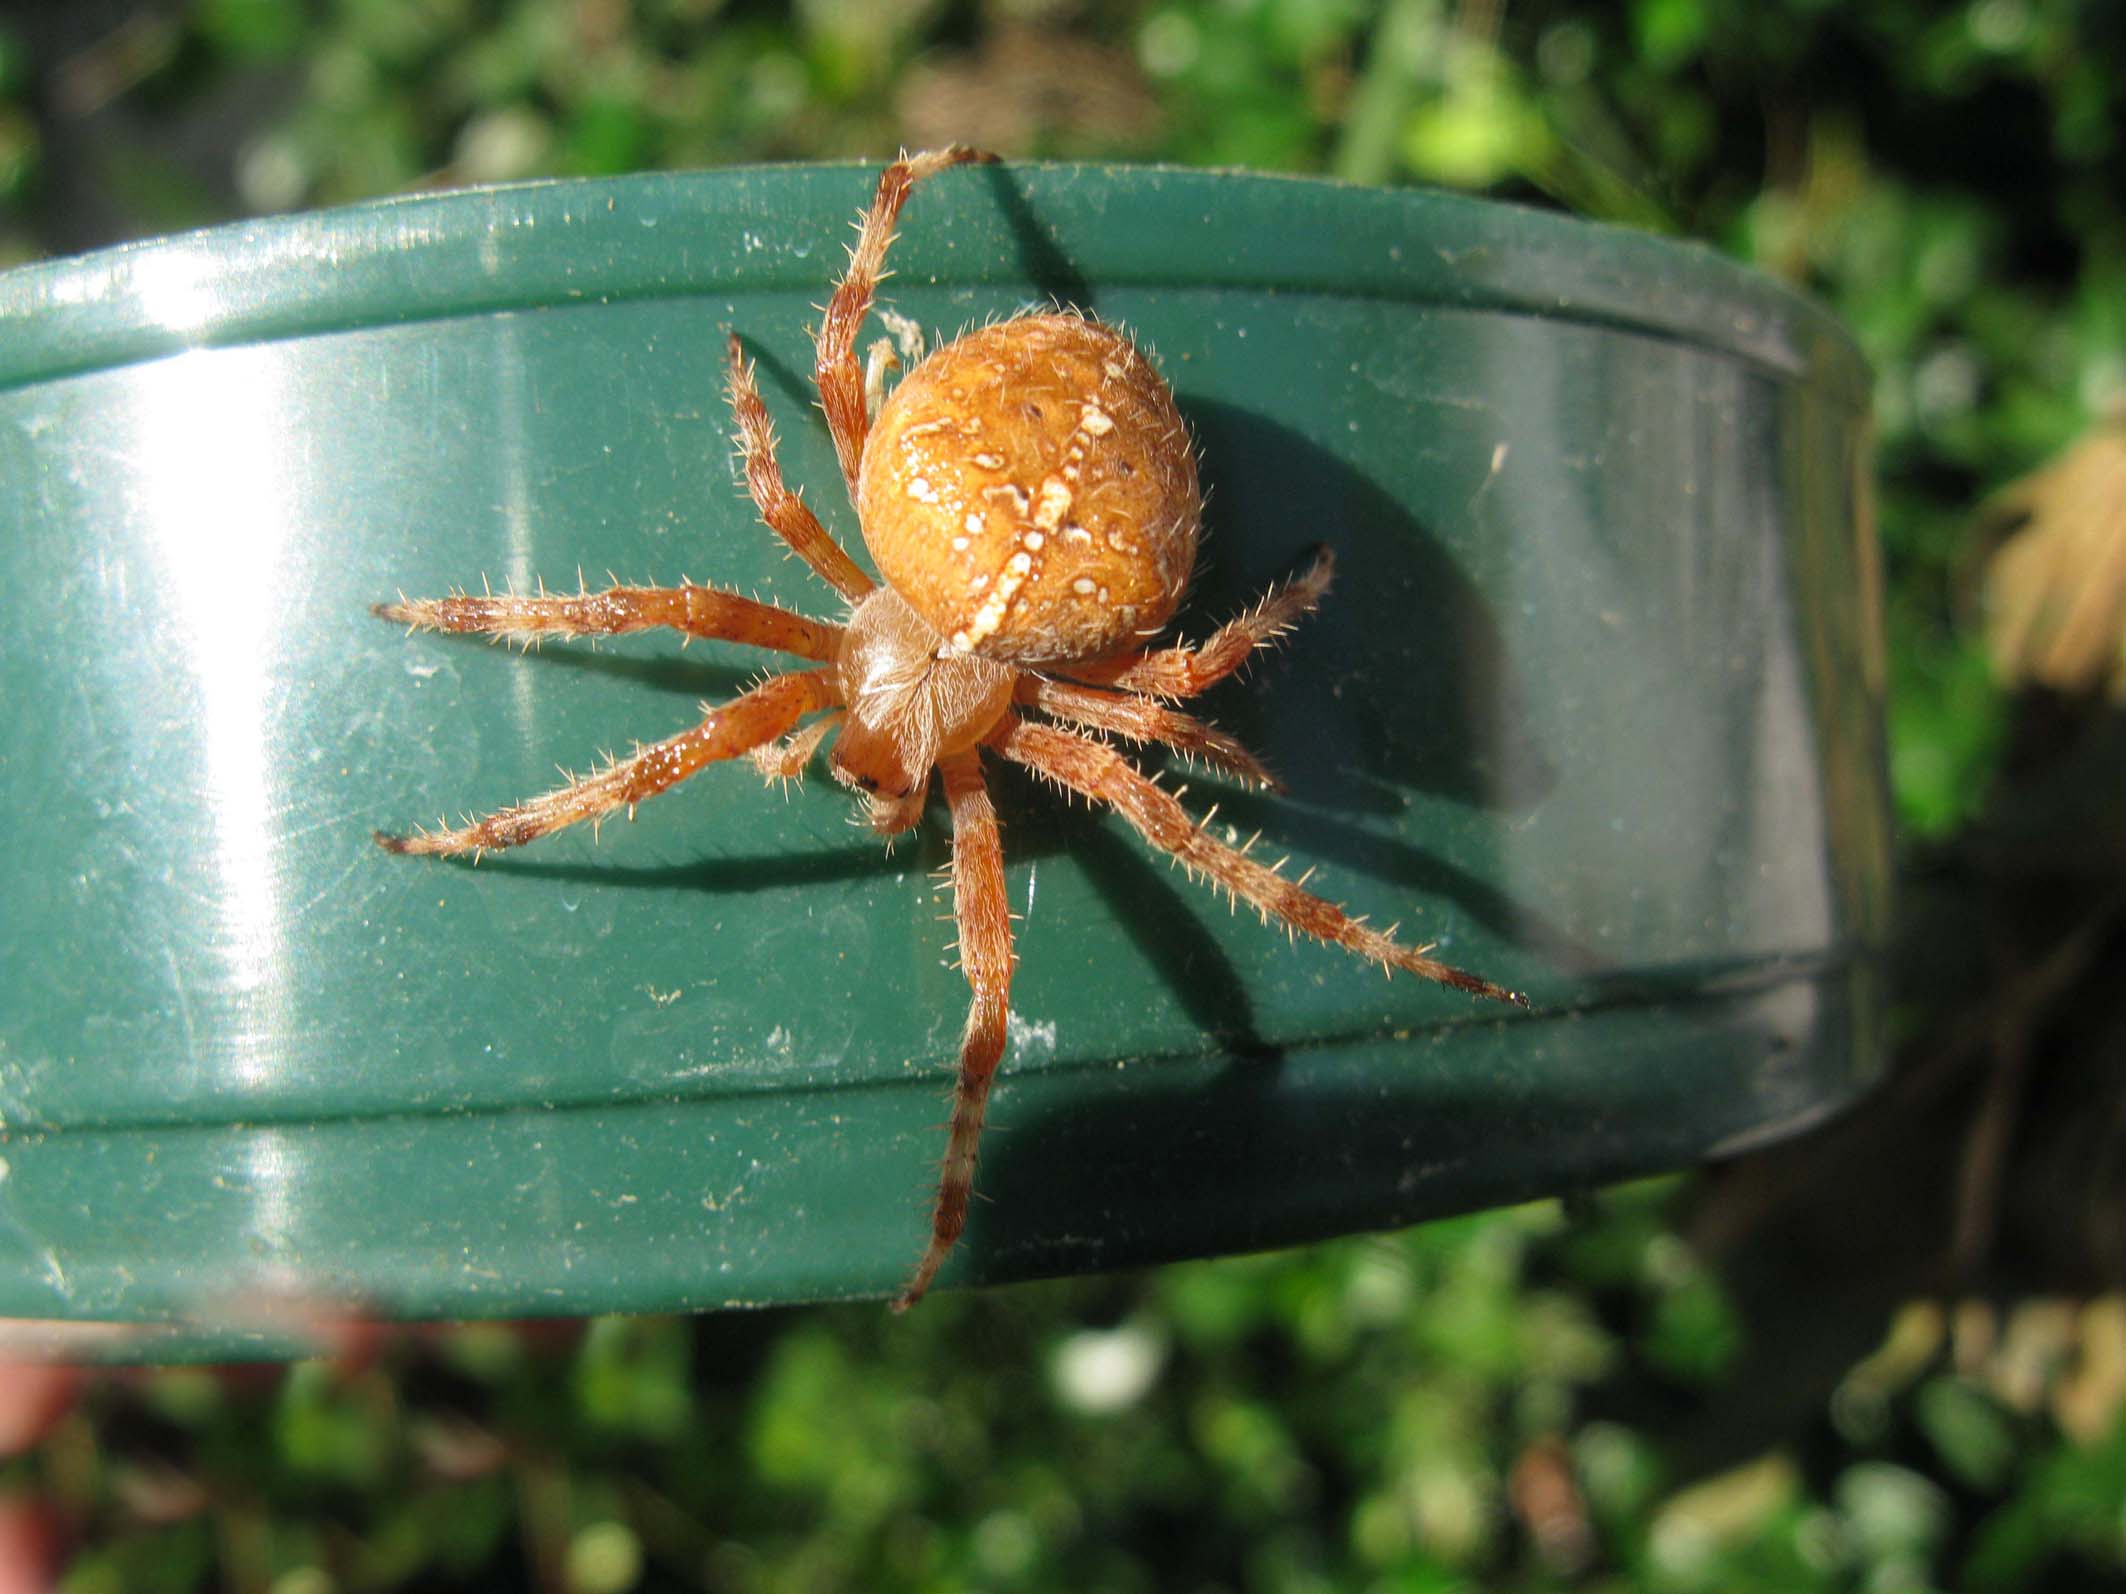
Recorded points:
(1029, 494)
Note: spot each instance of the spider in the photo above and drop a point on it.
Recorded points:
(1029, 494)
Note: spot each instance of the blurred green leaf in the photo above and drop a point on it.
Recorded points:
(254, 30)
(633, 1376)
(2063, 1526)
(1693, 1334)
(606, 137)
(1669, 33)
(1478, 134)
(1891, 1512)
(1973, 1436)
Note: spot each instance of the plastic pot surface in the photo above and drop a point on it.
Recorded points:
(1594, 705)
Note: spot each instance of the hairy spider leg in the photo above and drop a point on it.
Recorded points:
(835, 365)
(784, 511)
(735, 728)
(877, 363)
(983, 913)
(1184, 672)
(1139, 719)
(1097, 771)
(786, 759)
(905, 349)
(705, 612)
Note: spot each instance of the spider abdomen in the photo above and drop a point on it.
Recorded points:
(1031, 490)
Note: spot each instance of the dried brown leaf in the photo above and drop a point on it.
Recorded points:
(2055, 590)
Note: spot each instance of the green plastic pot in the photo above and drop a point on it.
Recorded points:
(1594, 706)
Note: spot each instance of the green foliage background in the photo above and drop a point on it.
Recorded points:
(1499, 1402)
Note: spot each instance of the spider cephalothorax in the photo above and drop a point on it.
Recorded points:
(1029, 494)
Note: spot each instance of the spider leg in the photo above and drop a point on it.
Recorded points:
(736, 727)
(877, 363)
(1183, 672)
(903, 349)
(705, 612)
(786, 759)
(783, 510)
(1100, 773)
(1139, 719)
(984, 918)
(841, 378)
